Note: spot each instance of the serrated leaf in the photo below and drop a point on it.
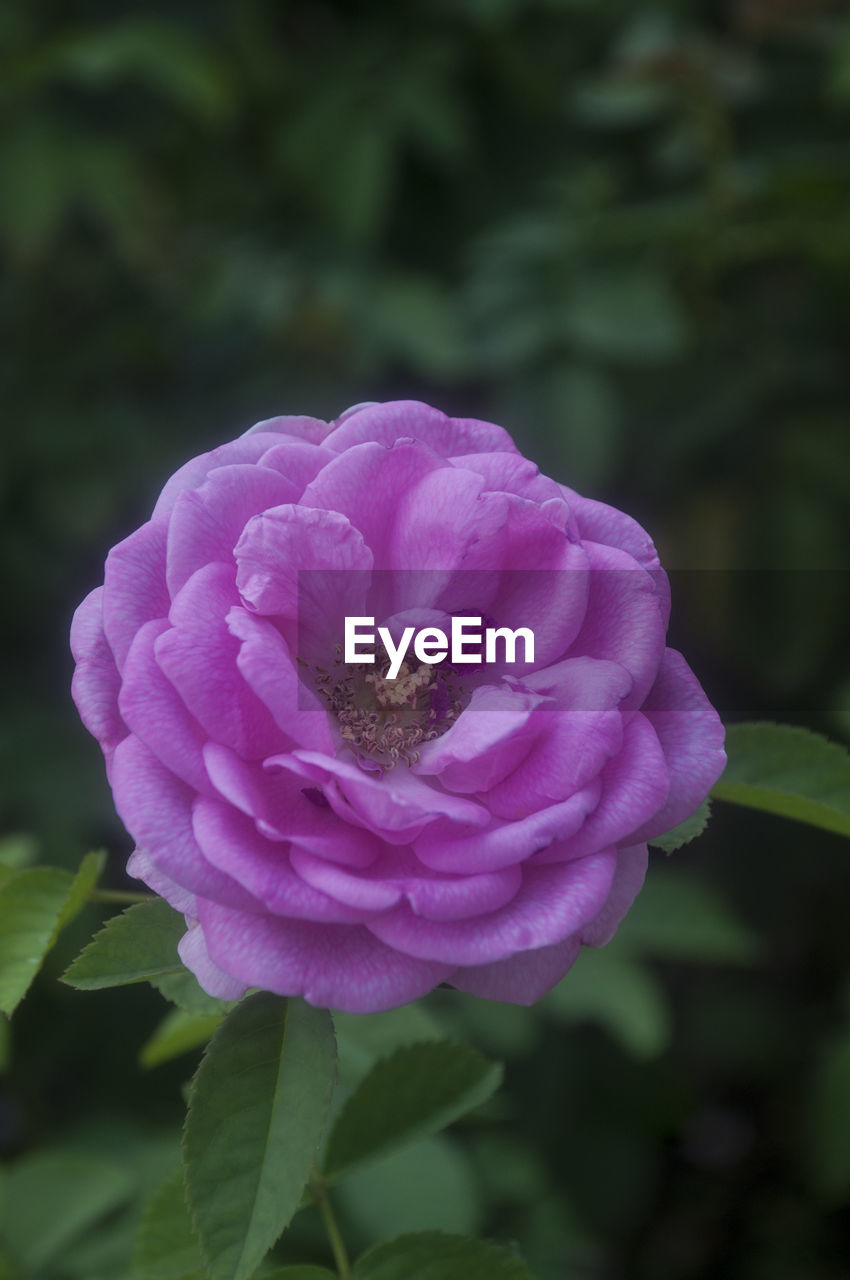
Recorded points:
(788, 771)
(683, 917)
(685, 832)
(257, 1111)
(53, 1196)
(183, 989)
(411, 1095)
(618, 993)
(35, 905)
(178, 1033)
(88, 874)
(166, 1246)
(431, 1255)
(139, 943)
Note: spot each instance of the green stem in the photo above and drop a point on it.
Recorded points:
(320, 1195)
(118, 895)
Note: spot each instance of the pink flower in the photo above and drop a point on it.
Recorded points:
(329, 832)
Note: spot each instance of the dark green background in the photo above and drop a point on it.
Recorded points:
(623, 232)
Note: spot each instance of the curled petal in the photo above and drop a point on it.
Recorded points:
(553, 903)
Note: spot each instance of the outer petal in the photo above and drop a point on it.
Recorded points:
(410, 419)
(246, 449)
(96, 680)
(152, 708)
(691, 736)
(206, 523)
(192, 949)
(142, 867)
(156, 809)
(627, 884)
(134, 589)
(634, 786)
(521, 979)
(625, 621)
(554, 902)
(299, 426)
(341, 967)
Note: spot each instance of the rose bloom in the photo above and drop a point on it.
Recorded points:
(328, 832)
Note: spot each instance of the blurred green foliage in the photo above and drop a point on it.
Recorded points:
(621, 230)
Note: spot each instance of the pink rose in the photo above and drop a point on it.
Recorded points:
(330, 832)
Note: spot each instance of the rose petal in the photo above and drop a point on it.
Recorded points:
(192, 949)
(134, 590)
(199, 656)
(248, 448)
(691, 736)
(153, 710)
(156, 809)
(96, 681)
(627, 884)
(231, 842)
(521, 979)
(339, 967)
(502, 844)
(634, 786)
(206, 522)
(553, 903)
(410, 419)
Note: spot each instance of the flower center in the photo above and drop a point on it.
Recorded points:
(384, 721)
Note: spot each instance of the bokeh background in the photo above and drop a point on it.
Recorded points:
(620, 229)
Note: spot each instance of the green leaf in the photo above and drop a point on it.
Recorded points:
(183, 989)
(257, 1110)
(683, 917)
(428, 1186)
(416, 1092)
(430, 1255)
(619, 993)
(88, 874)
(685, 832)
(34, 905)
(139, 943)
(52, 1197)
(178, 1033)
(788, 771)
(166, 1246)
